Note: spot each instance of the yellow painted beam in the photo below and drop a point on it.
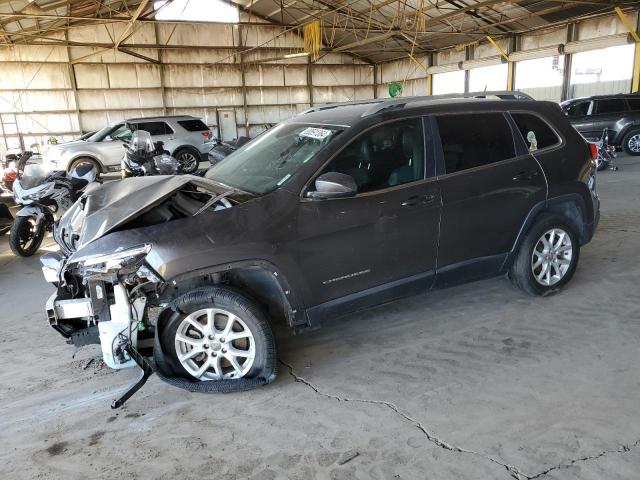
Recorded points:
(627, 24)
(423, 67)
(417, 62)
(429, 84)
(502, 53)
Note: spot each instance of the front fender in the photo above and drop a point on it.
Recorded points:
(31, 211)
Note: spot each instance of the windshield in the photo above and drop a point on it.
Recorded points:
(100, 134)
(270, 160)
(117, 132)
(33, 175)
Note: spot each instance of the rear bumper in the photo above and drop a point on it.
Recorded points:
(591, 227)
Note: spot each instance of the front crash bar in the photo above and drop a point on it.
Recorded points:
(147, 371)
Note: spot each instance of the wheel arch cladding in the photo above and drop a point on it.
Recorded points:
(573, 211)
(86, 157)
(568, 207)
(261, 282)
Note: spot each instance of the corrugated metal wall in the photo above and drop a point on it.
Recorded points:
(196, 69)
(61, 91)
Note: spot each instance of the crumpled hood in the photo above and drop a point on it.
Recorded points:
(106, 207)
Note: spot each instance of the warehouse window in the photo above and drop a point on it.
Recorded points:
(196, 10)
(449, 82)
(541, 77)
(493, 77)
(601, 72)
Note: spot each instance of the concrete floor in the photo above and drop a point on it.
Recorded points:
(474, 382)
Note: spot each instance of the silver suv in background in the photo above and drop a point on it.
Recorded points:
(187, 138)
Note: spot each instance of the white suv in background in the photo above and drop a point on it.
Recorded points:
(187, 138)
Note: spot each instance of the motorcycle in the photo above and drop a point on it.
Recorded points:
(8, 173)
(143, 157)
(606, 153)
(6, 219)
(44, 197)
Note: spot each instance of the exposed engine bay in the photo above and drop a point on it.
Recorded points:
(114, 299)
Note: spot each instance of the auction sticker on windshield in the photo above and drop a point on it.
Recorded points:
(315, 133)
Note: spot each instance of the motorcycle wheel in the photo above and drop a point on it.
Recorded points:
(26, 237)
(601, 163)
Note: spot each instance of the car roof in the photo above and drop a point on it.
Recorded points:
(600, 97)
(163, 117)
(350, 113)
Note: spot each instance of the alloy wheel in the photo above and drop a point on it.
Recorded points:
(551, 257)
(634, 143)
(215, 344)
(187, 161)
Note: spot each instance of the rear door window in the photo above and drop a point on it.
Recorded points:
(611, 105)
(535, 131)
(193, 125)
(474, 140)
(154, 128)
(634, 103)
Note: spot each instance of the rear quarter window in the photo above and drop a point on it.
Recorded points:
(536, 132)
(634, 103)
(193, 125)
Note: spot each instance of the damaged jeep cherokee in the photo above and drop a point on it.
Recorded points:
(340, 208)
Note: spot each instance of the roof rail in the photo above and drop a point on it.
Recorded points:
(385, 104)
(328, 106)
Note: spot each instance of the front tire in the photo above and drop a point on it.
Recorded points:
(188, 161)
(547, 258)
(26, 236)
(218, 334)
(95, 166)
(631, 143)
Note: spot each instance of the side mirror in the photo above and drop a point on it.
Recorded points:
(334, 185)
(108, 138)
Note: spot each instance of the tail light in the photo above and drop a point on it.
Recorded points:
(206, 134)
(594, 151)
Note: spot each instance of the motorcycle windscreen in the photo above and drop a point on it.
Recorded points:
(33, 175)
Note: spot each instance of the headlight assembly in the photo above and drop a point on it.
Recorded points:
(113, 262)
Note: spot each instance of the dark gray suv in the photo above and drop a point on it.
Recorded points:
(340, 208)
(618, 114)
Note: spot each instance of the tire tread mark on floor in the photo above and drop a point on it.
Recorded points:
(514, 471)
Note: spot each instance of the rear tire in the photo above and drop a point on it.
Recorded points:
(188, 160)
(24, 241)
(199, 343)
(631, 142)
(547, 258)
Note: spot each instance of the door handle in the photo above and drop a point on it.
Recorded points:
(419, 200)
(526, 175)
